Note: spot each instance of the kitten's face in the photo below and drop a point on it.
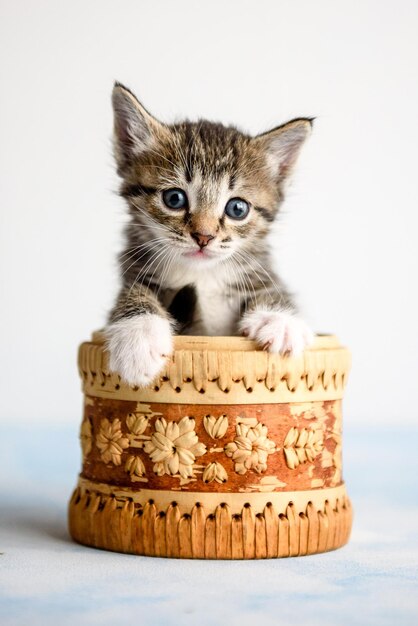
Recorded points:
(205, 191)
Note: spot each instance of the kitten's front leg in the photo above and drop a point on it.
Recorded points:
(274, 324)
(138, 337)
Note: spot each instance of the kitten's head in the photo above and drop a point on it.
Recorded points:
(205, 190)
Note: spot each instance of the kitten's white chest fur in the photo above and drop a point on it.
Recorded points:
(216, 312)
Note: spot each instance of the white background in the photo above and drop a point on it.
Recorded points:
(348, 237)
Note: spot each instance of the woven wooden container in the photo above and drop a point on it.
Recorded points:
(234, 453)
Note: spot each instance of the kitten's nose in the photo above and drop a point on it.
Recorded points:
(202, 239)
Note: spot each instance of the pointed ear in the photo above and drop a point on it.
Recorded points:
(283, 145)
(134, 128)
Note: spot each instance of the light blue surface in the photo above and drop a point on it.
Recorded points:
(46, 579)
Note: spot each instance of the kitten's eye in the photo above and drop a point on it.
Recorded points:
(175, 199)
(237, 209)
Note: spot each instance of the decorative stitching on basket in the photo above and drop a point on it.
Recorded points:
(119, 524)
(317, 368)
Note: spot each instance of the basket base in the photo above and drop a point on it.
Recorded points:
(245, 526)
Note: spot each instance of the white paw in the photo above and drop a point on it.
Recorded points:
(277, 331)
(138, 347)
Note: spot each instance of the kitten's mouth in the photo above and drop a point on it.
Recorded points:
(199, 254)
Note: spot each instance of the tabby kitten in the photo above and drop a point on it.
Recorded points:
(201, 198)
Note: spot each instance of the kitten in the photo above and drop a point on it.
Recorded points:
(201, 198)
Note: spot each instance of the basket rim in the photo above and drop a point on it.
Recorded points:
(322, 341)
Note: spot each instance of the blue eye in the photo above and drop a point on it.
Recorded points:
(237, 209)
(175, 199)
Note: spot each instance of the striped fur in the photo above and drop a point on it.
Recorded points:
(164, 272)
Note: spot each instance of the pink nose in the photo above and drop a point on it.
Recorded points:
(202, 239)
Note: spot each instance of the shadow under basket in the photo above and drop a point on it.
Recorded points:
(234, 453)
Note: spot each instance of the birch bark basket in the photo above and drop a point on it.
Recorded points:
(233, 453)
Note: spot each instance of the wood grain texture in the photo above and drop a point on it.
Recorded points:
(185, 541)
(300, 439)
(210, 537)
(284, 538)
(198, 531)
(260, 537)
(223, 532)
(172, 522)
(160, 543)
(237, 547)
(272, 530)
(221, 369)
(103, 521)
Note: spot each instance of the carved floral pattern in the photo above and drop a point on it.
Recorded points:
(301, 446)
(137, 423)
(215, 427)
(174, 447)
(134, 465)
(111, 441)
(86, 439)
(215, 471)
(250, 448)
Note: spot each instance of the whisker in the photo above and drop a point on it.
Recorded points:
(148, 264)
(166, 269)
(271, 281)
(133, 250)
(135, 261)
(160, 259)
(239, 279)
(248, 286)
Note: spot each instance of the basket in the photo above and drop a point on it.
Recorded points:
(233, 453)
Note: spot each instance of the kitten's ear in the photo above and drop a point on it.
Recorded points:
(283, 144)
(134, 128)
